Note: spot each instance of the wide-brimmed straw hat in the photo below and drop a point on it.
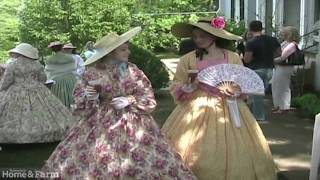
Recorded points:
(69, 46)
(109, 43)
(55, 43)
(215, 26)
(26, 50)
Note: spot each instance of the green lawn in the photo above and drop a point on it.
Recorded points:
(34, 155)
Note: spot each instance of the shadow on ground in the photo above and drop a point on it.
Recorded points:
(290, 139)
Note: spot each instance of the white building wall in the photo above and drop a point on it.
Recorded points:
(261, 11)
(249, 11)
(237, 10)
(225, 8)
(278, 14)
(256, 10)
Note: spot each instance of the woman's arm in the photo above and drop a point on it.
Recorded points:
(82, 105)
(180, 88)
(142, 100)
(8, 77)
(286, 52)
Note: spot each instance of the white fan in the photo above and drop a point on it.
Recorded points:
(229, 75)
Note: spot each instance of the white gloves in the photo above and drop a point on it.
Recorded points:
(49, 81)
(91, 93)
(120, 102)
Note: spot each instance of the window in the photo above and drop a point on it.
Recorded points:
(233, 9)
(241, 9)
(316, 10)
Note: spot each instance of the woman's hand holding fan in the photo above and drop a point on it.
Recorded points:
(192, 81)
(229, 89)
(233, 80)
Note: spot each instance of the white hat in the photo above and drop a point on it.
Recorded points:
(109, 43)
(26, 50)
(55, 43)
(69, 46)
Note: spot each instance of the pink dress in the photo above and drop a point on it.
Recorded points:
(117, 144)
(181, 95)
(206, 63)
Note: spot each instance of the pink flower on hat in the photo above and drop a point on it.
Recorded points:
(219, 22)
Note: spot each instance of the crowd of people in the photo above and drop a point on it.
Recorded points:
(100, 108)
(265, 56)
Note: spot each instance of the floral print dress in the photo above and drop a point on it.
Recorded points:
(116, 144)
(29, 112)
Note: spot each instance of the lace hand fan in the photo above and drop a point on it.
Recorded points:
(233, 77)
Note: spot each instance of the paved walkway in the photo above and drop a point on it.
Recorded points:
(171, 65)
(289, 137)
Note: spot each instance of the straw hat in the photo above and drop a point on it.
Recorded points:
(109, 43)
(213, 26)
(55, 43)
(69, 46)
(26, 50)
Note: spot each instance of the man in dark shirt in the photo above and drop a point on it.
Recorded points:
(259, 54)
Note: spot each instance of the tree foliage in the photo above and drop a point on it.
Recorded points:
(81, 20)
(9, 33)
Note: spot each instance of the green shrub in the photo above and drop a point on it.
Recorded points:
(237, 28)
(150, 65)
(309, 104)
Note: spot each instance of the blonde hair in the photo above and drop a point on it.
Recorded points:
(89, 45)
(291, 34)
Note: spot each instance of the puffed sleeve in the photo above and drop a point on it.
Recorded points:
(82, 106)
(234, 58)
(181, 78)
(144, 100)
(8, 77)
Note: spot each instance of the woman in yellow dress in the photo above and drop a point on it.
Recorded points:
(200, 127)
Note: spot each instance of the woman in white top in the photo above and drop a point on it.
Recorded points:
(281, 93)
